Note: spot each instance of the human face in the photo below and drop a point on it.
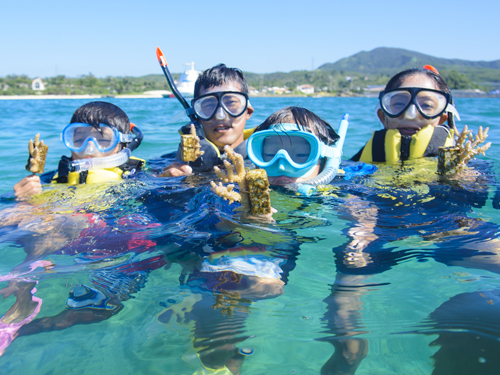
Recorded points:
(411, 121)
(223, 129)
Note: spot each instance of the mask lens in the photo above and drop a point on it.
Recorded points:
(395, 102)
(431, 103)
(234, 103)
(77, 136)
(297, 148)
(205, 107)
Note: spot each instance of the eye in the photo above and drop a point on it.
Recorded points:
(208, 106)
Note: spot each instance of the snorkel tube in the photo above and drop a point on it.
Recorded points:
(170, 80)
(111, 160)
(331, 167)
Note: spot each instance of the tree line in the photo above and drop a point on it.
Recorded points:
(327, 81)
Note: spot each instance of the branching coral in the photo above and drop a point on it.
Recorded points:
(452, 160)
(190, 146)
(254, 187)
(38, 153)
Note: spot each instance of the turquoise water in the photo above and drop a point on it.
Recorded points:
(421, 281)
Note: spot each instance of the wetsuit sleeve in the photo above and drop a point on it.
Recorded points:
(47, 177)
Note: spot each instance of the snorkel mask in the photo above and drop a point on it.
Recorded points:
(429, 103)
(81, 137)
(288, 150)
(234, 103)
(408, 100)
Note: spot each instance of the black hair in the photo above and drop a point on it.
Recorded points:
(398, 79)
(304, 117)
(95, 113)
(219, 75)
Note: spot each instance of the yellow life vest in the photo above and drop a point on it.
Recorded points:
(390, 146)
(101, 175)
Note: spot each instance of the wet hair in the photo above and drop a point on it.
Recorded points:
(219, 75)
(304, 117)
(95, 113)
(398, 79)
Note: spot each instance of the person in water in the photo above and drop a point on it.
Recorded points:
(414, 203)
(292, 145)
(414, 109)
(97, 130)
(222, 108)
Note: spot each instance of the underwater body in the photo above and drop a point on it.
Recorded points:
(397, 269)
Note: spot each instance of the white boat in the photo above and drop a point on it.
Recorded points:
(187, 81)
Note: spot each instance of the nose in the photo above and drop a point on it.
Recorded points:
(282, 165)
(411, 112)
(90, 149)
(220, 114)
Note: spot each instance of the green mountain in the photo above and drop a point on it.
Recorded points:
(389, 61)
(353, 74)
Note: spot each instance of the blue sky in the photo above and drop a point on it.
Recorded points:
(45, 38)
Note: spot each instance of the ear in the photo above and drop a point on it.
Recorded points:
(249, 111)
(382, 117)
(443, 118)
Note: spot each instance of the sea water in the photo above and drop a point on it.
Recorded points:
(419, 289)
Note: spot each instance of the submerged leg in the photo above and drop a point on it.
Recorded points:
(348, 355)
(343, 321)
(26, 307)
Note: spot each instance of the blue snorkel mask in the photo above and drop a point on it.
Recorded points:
(79, 136)
(288, 150)
(287, 159)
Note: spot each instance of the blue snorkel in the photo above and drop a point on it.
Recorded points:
(331, 167)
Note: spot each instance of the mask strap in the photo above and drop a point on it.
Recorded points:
(451, 108)
(329, 151)
(126, 138)
(286, 126)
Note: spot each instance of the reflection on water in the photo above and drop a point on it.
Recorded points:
(397, 271)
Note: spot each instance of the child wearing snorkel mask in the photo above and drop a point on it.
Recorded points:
(413, 108)
(101, 139)
(222, 108)
(294, 145)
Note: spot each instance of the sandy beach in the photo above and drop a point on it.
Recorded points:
(155, 94)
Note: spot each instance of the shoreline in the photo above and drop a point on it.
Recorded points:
(159, 96)
(41, 97)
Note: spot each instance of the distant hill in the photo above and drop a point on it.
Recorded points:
(351, 74)
(389, 61)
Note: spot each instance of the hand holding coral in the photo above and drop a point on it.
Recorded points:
(453, 160)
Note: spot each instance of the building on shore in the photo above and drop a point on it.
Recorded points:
(306, 89)
(37, 84)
